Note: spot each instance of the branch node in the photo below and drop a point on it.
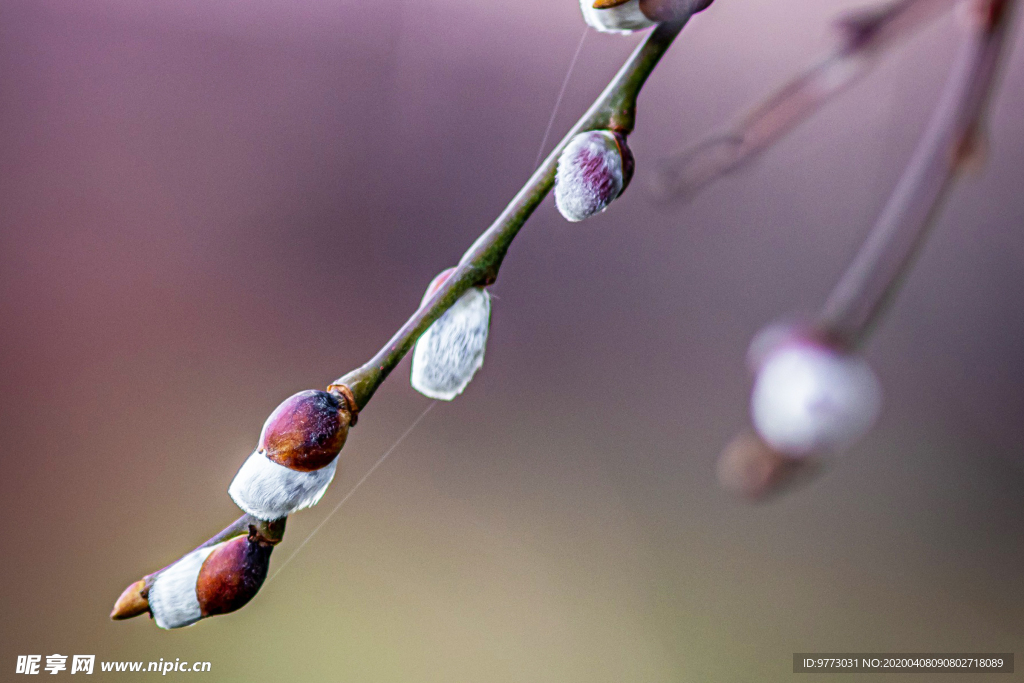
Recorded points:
(346, 395)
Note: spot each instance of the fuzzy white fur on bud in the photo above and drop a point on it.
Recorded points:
(809, 398)
(172, 598)
(624, 18)
(593, 169)
(452, 349)
(269, 491)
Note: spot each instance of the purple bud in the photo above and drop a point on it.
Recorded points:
(306, 432)
(593, 169)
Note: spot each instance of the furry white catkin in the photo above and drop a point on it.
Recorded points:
(625, 18)
(452, 349)
(269, 491)
(296, 456)
(593, 169)
(811, 399)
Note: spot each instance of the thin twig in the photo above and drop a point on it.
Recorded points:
(952, 135)
(864, 36)
(614, 109)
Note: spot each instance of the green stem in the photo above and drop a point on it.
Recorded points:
(614, 109)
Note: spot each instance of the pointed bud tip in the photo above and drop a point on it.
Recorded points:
(132, 603)
(749, 468)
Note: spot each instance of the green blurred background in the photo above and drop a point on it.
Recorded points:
(208, 207)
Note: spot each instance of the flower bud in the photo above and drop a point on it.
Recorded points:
(296, 457)
(811, 398)
(209, 581)
(671, 10)
(593, 169)
(627, 16)
(232, 574)
(306, 432)
(615, 16)
(452, 349)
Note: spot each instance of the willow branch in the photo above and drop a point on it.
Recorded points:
(864, 37)
(614, 109)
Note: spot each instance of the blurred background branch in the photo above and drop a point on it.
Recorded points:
(751, 466)
(864, 37)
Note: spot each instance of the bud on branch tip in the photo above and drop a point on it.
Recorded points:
(811, 397)
(753, 469)
(208, 581)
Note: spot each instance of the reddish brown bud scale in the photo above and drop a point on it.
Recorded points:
(436, 283)
(750, 468)
(232, 575)
(306, 432)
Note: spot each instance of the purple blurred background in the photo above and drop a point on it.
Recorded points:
(206, 207)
